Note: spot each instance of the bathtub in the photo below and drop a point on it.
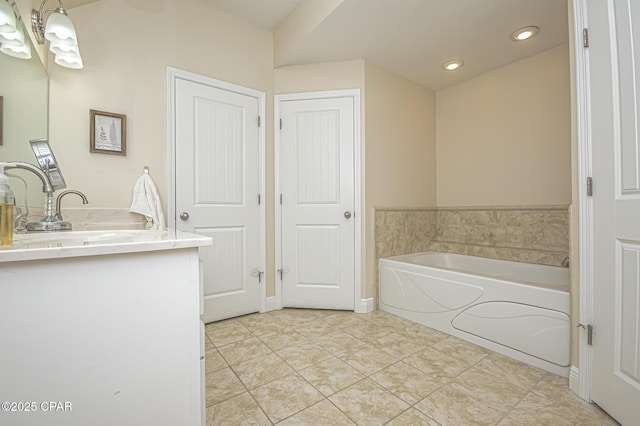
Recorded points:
(520, 310)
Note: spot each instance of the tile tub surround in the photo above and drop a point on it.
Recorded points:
(342, 368)
(522, 234)
(532, 234)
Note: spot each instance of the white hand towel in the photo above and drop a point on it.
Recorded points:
(147, 202)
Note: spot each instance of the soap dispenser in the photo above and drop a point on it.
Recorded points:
(6, 210)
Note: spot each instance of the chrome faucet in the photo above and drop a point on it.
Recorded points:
(48, 222)
(565, 262)
(59, 201)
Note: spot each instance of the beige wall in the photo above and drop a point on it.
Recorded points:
(125, 72)
(127, 47)
(398, 138)
(400, 162)
(504, 137)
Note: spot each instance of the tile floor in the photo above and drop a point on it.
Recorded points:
(312, 367)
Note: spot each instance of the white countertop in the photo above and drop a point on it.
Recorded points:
(56, 245)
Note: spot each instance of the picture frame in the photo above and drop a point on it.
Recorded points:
(108, 133)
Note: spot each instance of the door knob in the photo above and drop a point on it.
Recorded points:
(347, 214)
(184, 216)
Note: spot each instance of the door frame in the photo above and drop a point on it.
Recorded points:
(360, 304)
(580, 377)
(174, 74)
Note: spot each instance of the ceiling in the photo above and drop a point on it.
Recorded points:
(412, 38)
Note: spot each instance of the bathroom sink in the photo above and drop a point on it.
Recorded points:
(85, 238)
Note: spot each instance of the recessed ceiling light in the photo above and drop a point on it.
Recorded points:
(453, 65)
(524, 33)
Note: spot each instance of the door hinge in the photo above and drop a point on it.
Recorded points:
(589, 329)
(258, 199)
(585, 37)
(280, 199)
(281, 124)
(258, 121)
(589, 186)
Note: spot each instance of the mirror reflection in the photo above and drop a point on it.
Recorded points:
(24, 90)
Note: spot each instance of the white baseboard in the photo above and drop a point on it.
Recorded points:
(365, 306)
(574, 379)
(272, 304)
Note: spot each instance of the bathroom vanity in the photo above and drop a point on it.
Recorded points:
(101, 328)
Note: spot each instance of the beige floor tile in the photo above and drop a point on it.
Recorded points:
(447, 406)
(243, 350)
(366, 330)
(337, 342)
(591, 414)
(208, 346)
(406, 382)
(344, 319)
(555, 388)
(268, 327)
(323, 413)
(261, 370)
(386, 319)
(437, 365)
(536, 410)
(397, 345)
(412, 417)
(294, 317)
(368, 403)
(222, 385)
(213, 361)
(516, 372)
(239, 410)
(233, 332)
(367, 359)
(303, 355)
(458, 348)
(285, 396)
(260, 324)
(421, 334)
(488, 389)
(331, 376)
(283, 339)
(453, 382)
(314, 329)
(217, 325)
(253, 319)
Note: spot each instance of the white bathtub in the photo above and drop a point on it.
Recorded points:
(520, 310)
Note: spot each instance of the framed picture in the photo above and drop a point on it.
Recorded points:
(108, 134)
(1, 119)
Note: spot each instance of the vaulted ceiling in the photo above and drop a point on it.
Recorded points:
(412, 38)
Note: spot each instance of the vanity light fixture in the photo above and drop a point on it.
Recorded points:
(453, 65)
(7, 18)
(524, 33)
(22, 51)
(59, 30)
(12, 40)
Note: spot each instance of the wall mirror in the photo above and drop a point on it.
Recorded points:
(24, 87)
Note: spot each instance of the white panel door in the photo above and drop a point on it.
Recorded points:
(317, 187)
(614, 27)
(217, 187)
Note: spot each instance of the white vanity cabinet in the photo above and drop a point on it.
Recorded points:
(106, 336)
